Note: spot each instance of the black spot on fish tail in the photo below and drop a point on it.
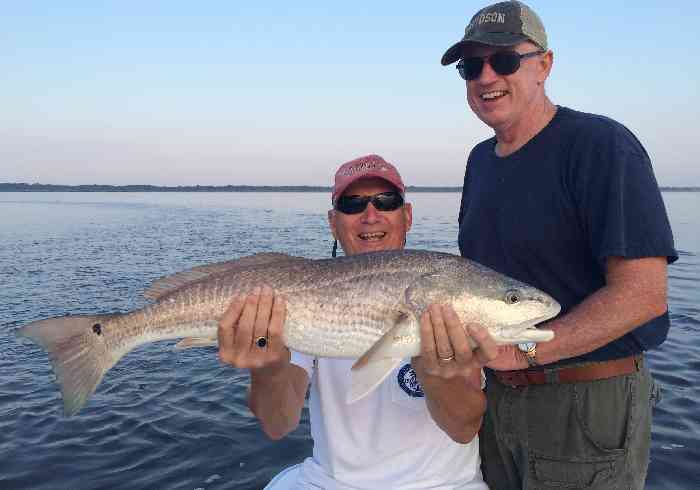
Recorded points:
(78, 356)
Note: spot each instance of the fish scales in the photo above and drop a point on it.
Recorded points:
(347, 320)
(363, 306)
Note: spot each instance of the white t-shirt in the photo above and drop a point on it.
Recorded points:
(386, 440)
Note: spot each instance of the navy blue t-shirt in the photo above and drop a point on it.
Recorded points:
(580, 191)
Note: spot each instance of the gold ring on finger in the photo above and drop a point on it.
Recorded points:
(447, 359)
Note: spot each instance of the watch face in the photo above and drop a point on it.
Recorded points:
(527, 346)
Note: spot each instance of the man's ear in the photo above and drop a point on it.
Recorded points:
(331, 222)
(546, 63)
(408, 214)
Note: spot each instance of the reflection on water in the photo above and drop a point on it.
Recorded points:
(165, 419)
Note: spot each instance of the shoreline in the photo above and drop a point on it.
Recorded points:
(23, 187)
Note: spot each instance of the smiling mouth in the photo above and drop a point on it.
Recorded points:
(493, 95)
(372, 237)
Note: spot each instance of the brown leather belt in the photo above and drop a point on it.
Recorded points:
(571, 374)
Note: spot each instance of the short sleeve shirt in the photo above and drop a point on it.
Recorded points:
(386, 440)
(550, 214)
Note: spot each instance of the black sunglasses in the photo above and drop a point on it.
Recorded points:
(502, 62)
(384, 201)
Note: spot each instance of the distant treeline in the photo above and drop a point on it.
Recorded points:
(23, 187)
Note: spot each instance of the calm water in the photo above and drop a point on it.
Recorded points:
(162, 419)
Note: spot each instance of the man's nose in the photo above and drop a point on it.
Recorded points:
(487, 74)
(370, 214)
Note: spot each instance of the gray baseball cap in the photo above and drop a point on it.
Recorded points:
(500, 24)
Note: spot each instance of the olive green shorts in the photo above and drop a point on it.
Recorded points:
(589, 435)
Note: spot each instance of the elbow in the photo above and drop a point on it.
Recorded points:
(658, 311)
(466, 439)
(277, 433)
(274, 424)
(467, 434)
(278, 429)
(657, 304)
(469, 428)
(660, 306)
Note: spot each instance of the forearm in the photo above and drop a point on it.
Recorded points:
(277, 400)
(455, 404)
(625, 303)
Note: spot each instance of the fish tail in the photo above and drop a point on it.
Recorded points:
(77, 352)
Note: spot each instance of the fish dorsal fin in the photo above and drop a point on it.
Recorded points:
(166, 284)
(382, 358)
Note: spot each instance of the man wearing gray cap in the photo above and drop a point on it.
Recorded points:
(568, 202)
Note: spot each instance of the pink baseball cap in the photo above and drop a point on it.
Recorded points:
(362, 168)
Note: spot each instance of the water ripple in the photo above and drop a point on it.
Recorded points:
(179, 420)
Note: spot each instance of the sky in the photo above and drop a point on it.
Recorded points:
(281, 93)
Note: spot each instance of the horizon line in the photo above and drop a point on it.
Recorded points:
(38, 187)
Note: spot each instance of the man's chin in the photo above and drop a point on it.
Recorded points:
(373, 246)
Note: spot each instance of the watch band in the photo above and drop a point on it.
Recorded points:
(531, 356)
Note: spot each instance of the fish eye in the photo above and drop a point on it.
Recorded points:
(512, 297)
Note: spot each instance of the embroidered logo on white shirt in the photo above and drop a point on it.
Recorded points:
(408, 381)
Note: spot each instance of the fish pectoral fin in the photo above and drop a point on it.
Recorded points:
(367, 377)
(191, 342)
(380, 360)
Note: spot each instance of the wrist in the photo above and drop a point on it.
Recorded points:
(528, 351)
(269, 374)
(519, 359)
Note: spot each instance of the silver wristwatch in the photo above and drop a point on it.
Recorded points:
(530, 350)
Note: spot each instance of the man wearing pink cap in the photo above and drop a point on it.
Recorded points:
(419, 428)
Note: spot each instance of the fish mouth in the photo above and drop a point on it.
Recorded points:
(553, 310)
(528, 330)
(521, 333)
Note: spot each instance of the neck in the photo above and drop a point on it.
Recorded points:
(510, 139)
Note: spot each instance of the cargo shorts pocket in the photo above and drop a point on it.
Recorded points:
(595, 474)
(585, 442)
